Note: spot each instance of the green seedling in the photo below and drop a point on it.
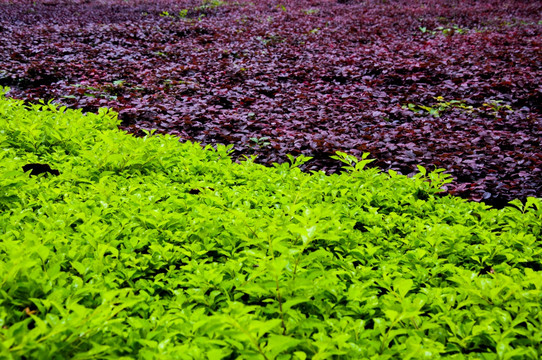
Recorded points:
(211, 4)
(497, 107)
(166, 14)
(259, 142)
(447, 31)
(183, 13)
(439, 107)
(442, 106)
(311, 11)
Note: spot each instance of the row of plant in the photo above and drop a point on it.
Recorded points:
(116, 247)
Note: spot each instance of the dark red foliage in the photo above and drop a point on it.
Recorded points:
(309, 77)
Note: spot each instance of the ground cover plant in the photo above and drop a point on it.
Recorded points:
(122, 247)
(447, 84)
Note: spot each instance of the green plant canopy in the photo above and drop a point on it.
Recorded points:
(116, 247)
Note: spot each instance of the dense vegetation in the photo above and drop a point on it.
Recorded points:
(117, 247)
(448, 83)
(114, 246)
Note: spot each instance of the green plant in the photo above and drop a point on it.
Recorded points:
(205, 5)
(520, 22)
(151, 248)
(260, 142)
(168, 83)
(210, 4)
(282, 8)
(447, 31)
(119, 83)
(166, 14)
(496, 107)
(311, 11)
(441, 106)
(160, 53)
(270, 38)
(106, 91)
(183, 13)
(453, 30)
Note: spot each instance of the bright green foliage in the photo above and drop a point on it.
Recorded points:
(492, 107)
(444, 30)
(204, 6)
(311, 11)
(148, 248)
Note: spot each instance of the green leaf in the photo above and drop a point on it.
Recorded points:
(402, 286)
(277, 344)
(81, 269)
